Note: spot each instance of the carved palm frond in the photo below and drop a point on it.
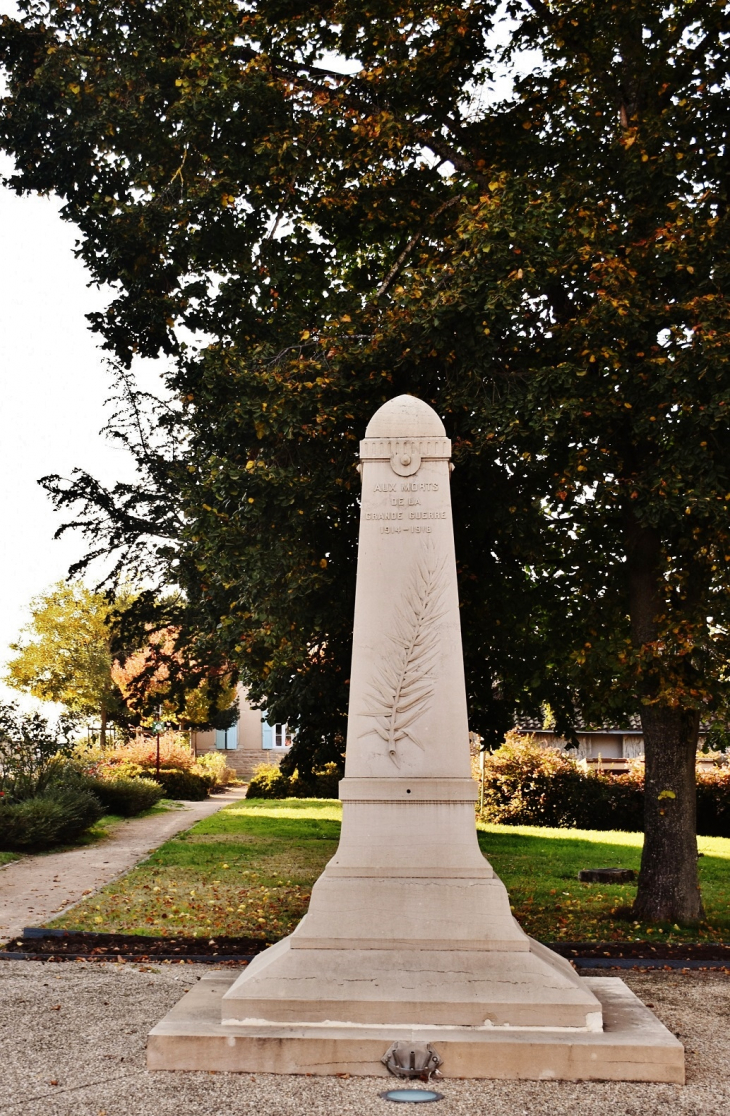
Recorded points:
(403, 685)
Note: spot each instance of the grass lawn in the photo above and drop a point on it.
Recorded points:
(248, 871)
(539, 867)
(6, 857)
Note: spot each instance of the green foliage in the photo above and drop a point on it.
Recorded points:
(57, 816)
(548, 266)
(126, 796)
(33, 753)
(527, 784)
(269, 781)
(713, 803)
(64, 653)
(214, 763)
(183, 784)
(554, 287)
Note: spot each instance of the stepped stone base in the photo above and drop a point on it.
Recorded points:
(633, 1046)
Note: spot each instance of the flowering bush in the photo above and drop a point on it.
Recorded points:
(175, 753)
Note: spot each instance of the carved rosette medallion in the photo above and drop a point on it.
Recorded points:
(405, 460)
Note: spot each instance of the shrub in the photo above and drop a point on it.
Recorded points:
(126, 796)
(527, 784)
(32, 751)
(183, 784)
(215, 763)
(269, 782)
(713, 803)
(141, 752)
(59, 815)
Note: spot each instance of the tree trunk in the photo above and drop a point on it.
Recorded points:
(668, 884)
(102, 726)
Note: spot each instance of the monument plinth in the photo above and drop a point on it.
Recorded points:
(409, 933)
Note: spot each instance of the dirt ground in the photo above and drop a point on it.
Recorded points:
(72, 1043)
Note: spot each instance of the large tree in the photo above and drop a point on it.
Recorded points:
(517, 211)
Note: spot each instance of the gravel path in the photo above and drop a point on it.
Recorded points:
(35, 888)
(72, 1043)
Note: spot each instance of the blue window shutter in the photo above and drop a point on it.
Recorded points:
(220, 738)
(232, 737)
(267, 735)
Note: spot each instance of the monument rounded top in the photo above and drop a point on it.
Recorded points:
(405, 417)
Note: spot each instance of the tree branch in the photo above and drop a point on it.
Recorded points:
(397, 266)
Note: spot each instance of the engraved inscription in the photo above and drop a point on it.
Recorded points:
(403, 687)
(406, 529)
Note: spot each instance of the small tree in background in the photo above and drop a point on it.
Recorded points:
(71, 653)
(64, 654)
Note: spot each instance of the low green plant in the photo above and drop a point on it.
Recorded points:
(126, 796)
(56, 817)
(191, 785)
(269, 781)
(215, 764)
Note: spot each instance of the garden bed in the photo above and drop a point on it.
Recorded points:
(43, 944)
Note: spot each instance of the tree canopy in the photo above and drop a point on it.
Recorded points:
(517, 211)
(64, 655)
(68, 654)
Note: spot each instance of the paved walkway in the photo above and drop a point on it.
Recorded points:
(34, 889)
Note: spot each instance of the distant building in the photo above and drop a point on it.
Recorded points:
(251, 741)
(609, 749)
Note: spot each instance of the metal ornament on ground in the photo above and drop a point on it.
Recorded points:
(412, 1059)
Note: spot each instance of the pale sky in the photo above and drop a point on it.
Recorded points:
(53, 383)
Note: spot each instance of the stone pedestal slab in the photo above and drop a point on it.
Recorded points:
(632, 1046)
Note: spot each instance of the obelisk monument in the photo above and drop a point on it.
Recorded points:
(408, 923)
(409, 933)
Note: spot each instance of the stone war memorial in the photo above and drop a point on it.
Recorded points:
(409, 959)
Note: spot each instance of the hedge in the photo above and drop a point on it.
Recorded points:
(126, 796)
(184, 784)
(269, 782)
(527, 784)
(57, 817)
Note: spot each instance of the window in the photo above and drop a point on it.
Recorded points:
(275, 736)
(226, 740)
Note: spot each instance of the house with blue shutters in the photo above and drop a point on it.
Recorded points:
(250, 741)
